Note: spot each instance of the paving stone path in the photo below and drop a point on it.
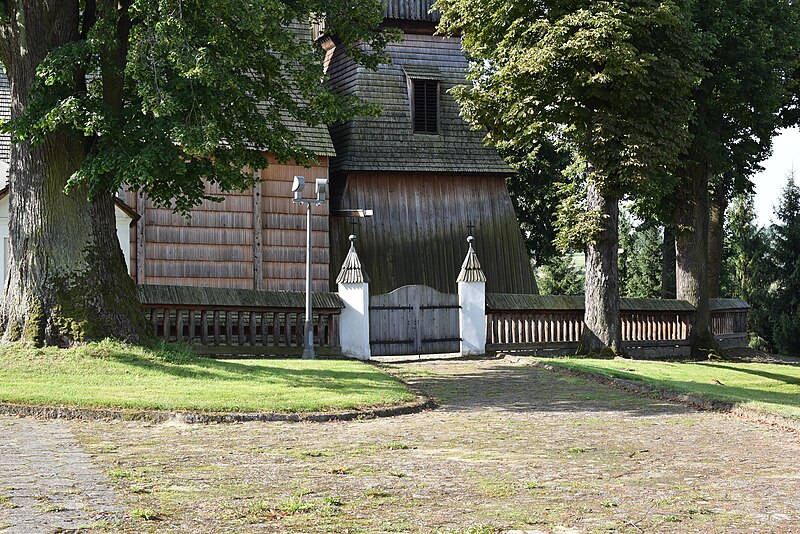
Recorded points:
(512, 448)
(47, 482)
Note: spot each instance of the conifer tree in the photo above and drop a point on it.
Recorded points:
(560, 276)
(746, 265)
(786, 256)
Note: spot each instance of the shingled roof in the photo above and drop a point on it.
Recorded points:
(410, 10)
(315, 138)
(388, 142)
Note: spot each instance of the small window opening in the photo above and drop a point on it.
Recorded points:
(426, 106)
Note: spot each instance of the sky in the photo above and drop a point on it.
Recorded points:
(769, 182)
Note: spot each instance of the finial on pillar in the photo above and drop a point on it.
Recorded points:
(352, 271)
(471, 268)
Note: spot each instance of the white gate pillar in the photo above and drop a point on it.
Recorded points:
(472, 301)
(353, 284)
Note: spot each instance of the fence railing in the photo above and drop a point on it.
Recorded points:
(546, 324)
(241, 322)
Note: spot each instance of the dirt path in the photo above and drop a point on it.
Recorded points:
(512, 447)
(48, 482)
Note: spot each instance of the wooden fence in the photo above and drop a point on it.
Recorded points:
(241, 321)
(546, 324)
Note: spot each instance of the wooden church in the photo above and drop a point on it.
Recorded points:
(427, 177)
(428, 180)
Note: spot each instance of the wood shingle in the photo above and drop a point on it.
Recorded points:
(388, 142)
(420, 10)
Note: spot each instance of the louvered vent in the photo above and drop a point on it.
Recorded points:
(426, 106)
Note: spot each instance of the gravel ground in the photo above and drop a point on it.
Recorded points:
(511, 448)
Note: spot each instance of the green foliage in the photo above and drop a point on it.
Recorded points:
(754, 53)
(640, 257)
(607, 81)
(746, 266)
(168, 94)
(536, 191)
(786, 257)
(560, 276)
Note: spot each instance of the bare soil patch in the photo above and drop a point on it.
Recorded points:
(511, 447)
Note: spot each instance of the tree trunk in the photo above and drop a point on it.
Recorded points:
(602, 331)
(67, 279)
(668, 290)
(716, 236)
(691, 251)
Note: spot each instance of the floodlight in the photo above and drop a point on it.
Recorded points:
(322, 189)
(298, 185)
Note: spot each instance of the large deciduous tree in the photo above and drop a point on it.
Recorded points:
(157, 95)
(608, 81)
(740, 104)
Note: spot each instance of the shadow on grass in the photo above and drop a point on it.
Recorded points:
(713, 391)
(198, 368)
(787, 379)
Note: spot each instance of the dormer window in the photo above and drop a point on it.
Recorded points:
(425, 106)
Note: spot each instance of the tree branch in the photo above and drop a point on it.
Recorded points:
(89, 18)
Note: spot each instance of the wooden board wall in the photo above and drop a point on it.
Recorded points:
(217, 246)
(418, 232)
(284, 229)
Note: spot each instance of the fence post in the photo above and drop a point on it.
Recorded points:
(353, 284)
(472, 304)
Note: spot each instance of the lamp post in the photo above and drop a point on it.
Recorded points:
(321, 190)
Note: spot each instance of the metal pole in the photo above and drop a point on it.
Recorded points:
(308, 350)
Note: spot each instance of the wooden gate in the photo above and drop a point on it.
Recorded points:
(414, 320)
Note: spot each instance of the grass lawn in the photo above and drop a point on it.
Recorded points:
(110, 374)
(768, 388)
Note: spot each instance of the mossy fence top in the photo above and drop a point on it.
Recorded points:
(210, 297)
(511, 303)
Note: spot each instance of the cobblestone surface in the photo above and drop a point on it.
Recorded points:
(47, 482)
(512, 448)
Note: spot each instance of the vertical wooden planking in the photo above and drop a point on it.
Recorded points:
(217, 333)
(167, 325)
(204, 327)
(179, 325)
(253, 329)
(192, 326)
(267, 329)
(258, 235)
(154, 321)
(141, 209)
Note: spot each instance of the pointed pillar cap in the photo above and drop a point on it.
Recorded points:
(471, 268)
(352, 271)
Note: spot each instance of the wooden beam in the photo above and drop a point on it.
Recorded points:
(141, 209)
(258, 237)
